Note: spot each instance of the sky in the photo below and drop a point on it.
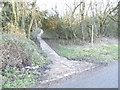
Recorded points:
(49, 4)
(61, 4)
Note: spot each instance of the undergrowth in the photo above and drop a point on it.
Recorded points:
(16, 51)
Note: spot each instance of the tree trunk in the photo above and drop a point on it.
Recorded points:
(30, 26)
(100, 30)
(36, 25)
(14, 12)
(23, 19)
(82, 32)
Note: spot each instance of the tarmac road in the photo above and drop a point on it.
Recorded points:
(104, 77)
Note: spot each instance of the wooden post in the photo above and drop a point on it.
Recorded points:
(92, 36)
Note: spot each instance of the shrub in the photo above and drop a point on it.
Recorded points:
(15, 54)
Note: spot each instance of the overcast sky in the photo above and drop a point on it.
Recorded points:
(49, 4)
(61, 4)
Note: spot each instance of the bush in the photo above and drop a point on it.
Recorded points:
(17, 53)
(16, 46)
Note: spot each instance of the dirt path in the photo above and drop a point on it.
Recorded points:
(60, 67)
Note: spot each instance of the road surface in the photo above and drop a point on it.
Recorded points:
(104, 77)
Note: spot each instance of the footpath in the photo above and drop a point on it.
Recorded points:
(61, 68)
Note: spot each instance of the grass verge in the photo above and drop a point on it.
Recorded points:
(99, 53)
(106, 53)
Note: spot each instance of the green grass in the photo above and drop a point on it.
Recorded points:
(98, 54)
(13, 77)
